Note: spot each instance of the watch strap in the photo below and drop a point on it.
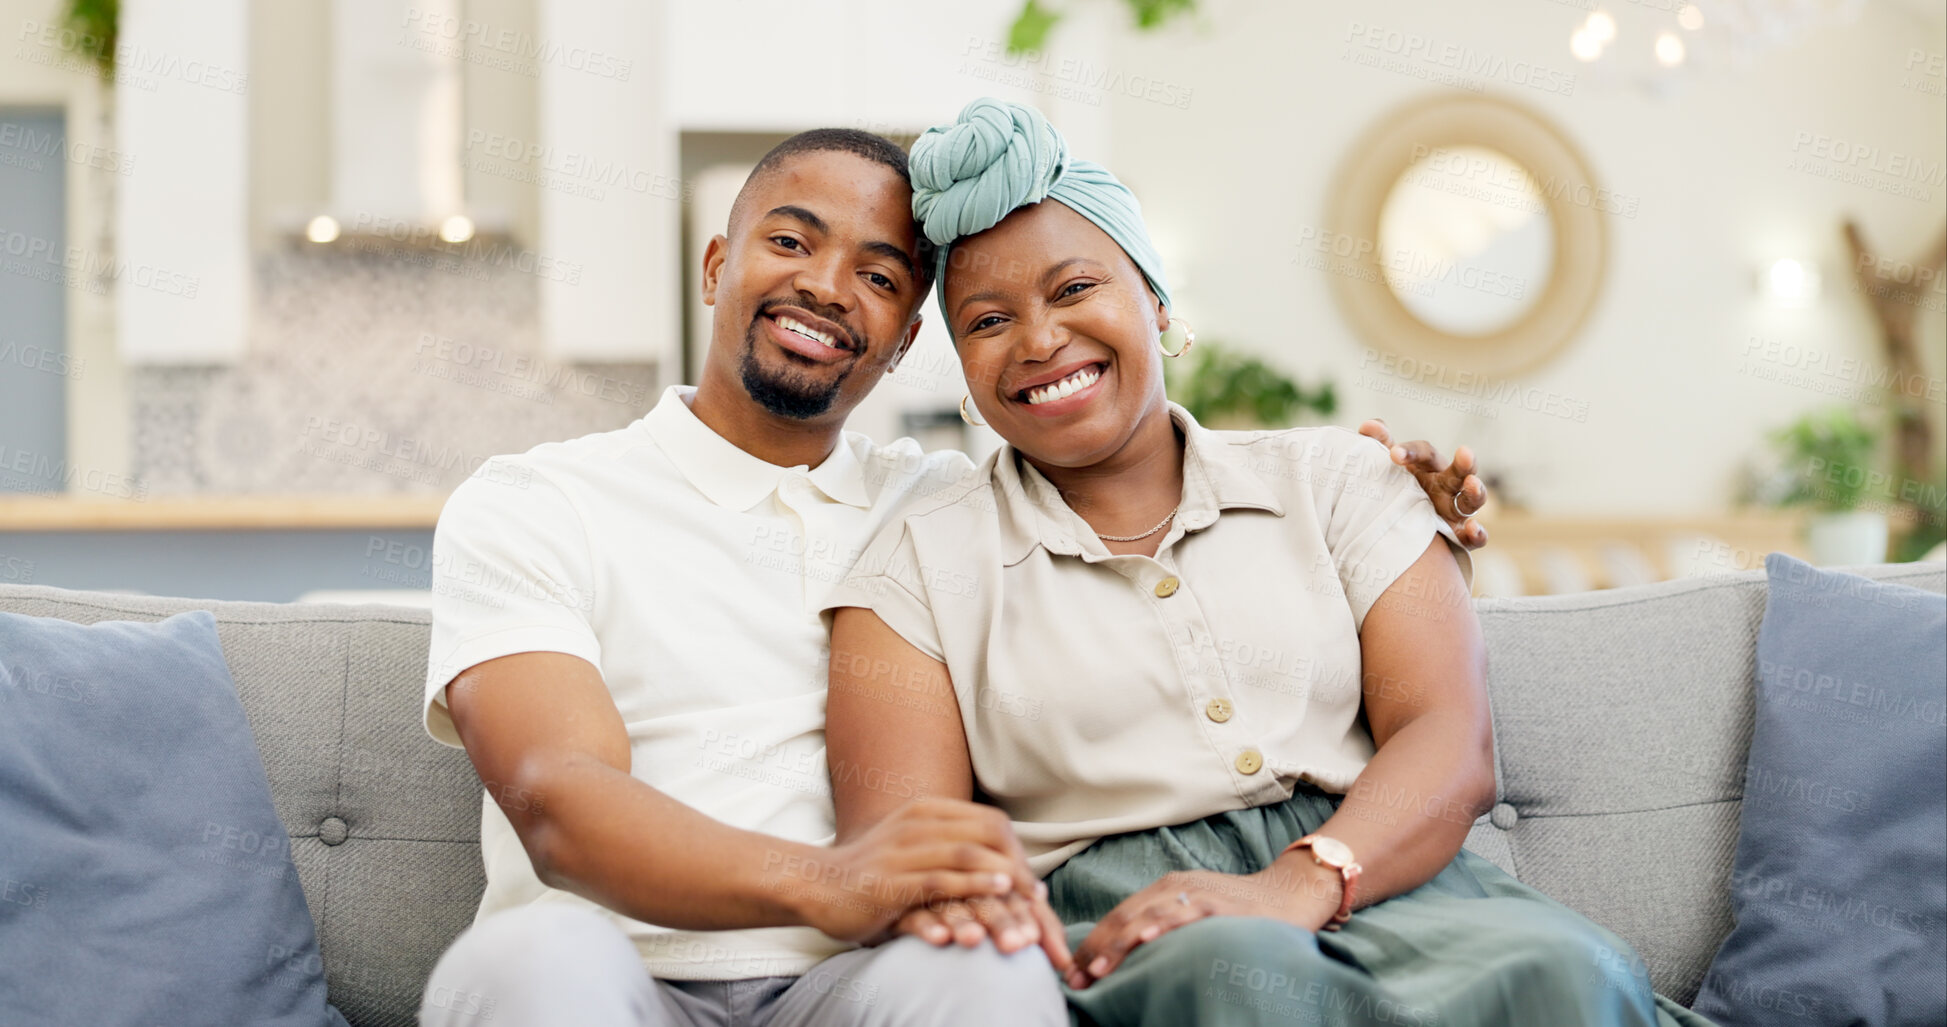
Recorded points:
(1348, 875)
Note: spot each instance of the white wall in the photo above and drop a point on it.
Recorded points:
(1240, 119)
(1230, 182)
(182, 287)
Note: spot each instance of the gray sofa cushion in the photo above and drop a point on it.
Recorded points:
(1840, 885)
(384, 822)
(135, 809)
(1621, 722)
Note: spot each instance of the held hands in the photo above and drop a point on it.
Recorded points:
(927, 853)
(1295, 890)
(1456, 492)
(1013, 921)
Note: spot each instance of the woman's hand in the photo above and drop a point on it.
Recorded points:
(1296, 891)
(1014, 922)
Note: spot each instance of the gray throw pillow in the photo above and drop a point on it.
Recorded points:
(1840, 885)
(144, 875)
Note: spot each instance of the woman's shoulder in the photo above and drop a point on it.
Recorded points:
(936, 495)
(902, 478)
(939, 483)
(934, 534)
(1308, 438)
(1310, 458)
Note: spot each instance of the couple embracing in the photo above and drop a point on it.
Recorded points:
(1136, 722)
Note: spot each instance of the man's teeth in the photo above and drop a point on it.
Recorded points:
(1068, 386)
(808, 332)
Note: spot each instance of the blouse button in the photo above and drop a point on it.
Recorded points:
(1250, 761)
(1166, 588)
(1218, 710)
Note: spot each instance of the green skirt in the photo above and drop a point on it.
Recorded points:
(1473, 946)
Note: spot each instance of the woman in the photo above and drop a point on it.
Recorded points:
(1227, 685)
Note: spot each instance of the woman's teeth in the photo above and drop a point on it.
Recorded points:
(1068, 386)
(808, 332)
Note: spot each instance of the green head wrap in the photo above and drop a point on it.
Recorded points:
(997, 157)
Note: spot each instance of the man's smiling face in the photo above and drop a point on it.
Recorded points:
(816, 284)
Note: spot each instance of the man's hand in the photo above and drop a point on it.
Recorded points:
(1300, 893)
(1455, 491)
(927, 852)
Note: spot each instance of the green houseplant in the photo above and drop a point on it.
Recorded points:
(94, 22)
(1827, 461)
(1031, 27)
(1222, 388)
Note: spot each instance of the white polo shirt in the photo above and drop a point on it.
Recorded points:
(1104, 693)
(691, 574)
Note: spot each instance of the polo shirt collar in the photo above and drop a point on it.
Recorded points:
(1217, 476)
(732, 478)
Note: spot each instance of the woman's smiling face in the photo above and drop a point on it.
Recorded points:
(1056, 330)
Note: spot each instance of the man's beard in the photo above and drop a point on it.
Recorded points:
(785, 392)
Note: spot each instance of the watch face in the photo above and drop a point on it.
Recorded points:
(1334, 852)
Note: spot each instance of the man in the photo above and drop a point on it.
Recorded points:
(626, 642)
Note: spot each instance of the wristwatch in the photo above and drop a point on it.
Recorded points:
(1330, 852)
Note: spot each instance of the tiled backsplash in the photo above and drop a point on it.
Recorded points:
(373, 369)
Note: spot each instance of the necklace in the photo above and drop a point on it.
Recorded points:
(1144, 535)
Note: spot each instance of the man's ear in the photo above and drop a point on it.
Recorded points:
(912, 332)
(714, 254)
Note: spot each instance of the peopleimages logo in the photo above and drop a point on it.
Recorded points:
(321, 436)
(27, 140)
(27, 471)
(1745, 994)
(508, 49)
(516, 373)
(1418, 56)
(1788, 897)
(135, 65)
(1533, 399)
(1452, 170)
(477, 252)
(548, 165)
(38, 257)
(42, 358)
(1069, 78)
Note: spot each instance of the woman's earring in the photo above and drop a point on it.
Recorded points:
(1177, 339)
(967, 417)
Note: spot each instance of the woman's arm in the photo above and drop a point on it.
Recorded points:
(1425, 692)
(893, 734)
(1425, 674)
(892, 724)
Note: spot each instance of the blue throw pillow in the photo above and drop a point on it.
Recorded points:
(144, 875)
(1840, 886)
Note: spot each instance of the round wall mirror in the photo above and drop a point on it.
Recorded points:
(1466, 257)
(1481, 234)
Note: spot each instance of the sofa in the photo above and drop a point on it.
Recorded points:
(1622, 720)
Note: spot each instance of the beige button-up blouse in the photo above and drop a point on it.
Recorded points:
(1106, 693)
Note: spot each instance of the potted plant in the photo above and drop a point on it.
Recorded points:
(1225, 389)
(1828, 463)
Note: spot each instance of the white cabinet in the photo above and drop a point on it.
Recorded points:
(181, 270)
(601, 113)
(882, 65)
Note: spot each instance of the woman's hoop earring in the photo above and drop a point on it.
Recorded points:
(1177, 339)
(967, 417)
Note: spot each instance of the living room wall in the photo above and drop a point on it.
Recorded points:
(1273, 103)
